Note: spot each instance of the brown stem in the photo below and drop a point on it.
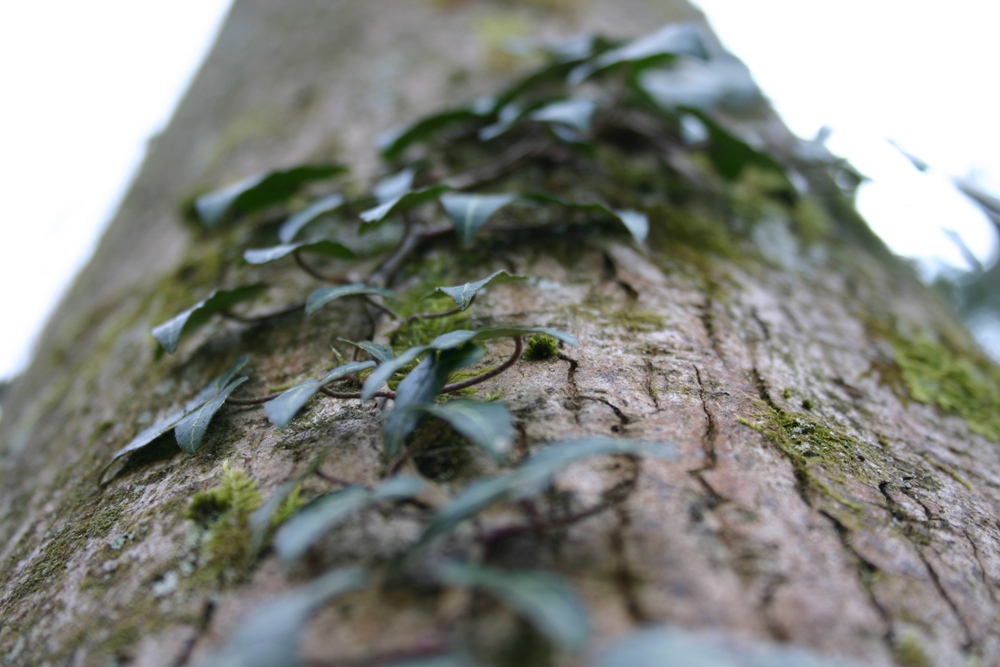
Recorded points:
(384, 308)
(355, 394)
(406, 246)
(313, 272)
(518, 348)
(259, 400)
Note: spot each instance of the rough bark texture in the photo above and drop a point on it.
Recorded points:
(813, 501)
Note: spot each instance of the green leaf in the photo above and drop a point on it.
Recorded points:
(259, 192)
(403, 203)
(549, 603)
(169, 333)
(488, 425)
(730, 155)
(378, 352)
(723, 82)
(469, 212)
(282, 409)
(420, 387)
(271, 636)
(328, 248)
(325, 295)
(310, 523)
(532, 476)
(664, 45)
(190, 430)
(394, 185)
(507, 116)
(510, 332)
(575, 113)
(294, 224)
(394, 142)
(388, 368)
(462, 295)
(635, 222)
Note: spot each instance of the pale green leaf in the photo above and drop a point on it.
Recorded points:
(294, 224)
(574, 112)
(325, 295)
(394, 185)
(462, 295)
(378, 352)
(403, 203)
(487, 424)
(282, 409)
(169, 333)
(469, 212)
(327, 248)
(664, 45)
(190, 430)
(636, 223)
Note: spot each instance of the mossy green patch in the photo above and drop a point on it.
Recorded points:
(541, 347)
(224, 511)
(908, 651)
(935, 375)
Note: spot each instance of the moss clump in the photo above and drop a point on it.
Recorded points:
(936, 376)
(224, 511)
(639, 321)
(908, 652)
(541, 347)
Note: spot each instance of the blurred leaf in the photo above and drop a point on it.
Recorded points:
(271, 636)
(316, 519)
(190, 430)
(420, 387)
(462, 295)
(549, 603)
(730, 155)
(294, 224)
(989, 204)
(664, 45)
(328, 248)
(165, 425)
(325, 295)
(282, 409)
(507, 116)
(394, 185)
(378, 352)
(574, 112)
(169, 333)
(469, 212)
(723, 82)
(635, 222)
(393, 143)
(259, 192)
(403, 203)
(488, 425)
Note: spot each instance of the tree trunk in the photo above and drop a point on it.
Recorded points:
(834, 484)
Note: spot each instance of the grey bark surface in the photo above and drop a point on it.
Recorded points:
(884, 547)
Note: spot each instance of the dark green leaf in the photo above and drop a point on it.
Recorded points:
(507, 117)
(462, 295)
(468, 213)
(294, 224)
(317, 518)
(403, 203)
(387, 369)
(664, 45)
(420, 387)
(282, 409)
(549, 74)
(731, 155)
(488, 425)
(191, 429)
(328, 248)
(575, 113)
(325, 295)
(378, 352)
(169, 333)
(259, 192)
(545, 600)
(394, 185)
(271, 636)
(392, 143)
(636, 223)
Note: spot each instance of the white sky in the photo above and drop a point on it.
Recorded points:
(87, 83)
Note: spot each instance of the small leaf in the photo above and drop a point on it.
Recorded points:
(387, 369)
(378, 352)
(328, 248)
(191, 429)
(730, 155)
(488, 425)
(421, 386)
(392, 143)
(462, 295)
(294, 224)
(575, 113)
(723, 82)
(394, 185)
(259, 192)
(317, 518)
(468, 213)
(545, 600)
(507, 116)
(664, 45)
(271, 636)
(169, 333)
(636, 223)
(403, 203)
(282, 409)
(325, 295)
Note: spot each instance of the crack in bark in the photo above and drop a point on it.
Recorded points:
(207, 613)
(625, 581)
(764, 329)
(708, 322)
(572, 389)
(650, 387)
(624, 420)
(711, 433)
(967, 643)
(982, 568)
(777, 632)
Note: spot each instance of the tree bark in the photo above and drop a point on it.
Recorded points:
(830, 488)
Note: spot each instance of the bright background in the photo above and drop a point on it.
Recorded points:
(86, 84)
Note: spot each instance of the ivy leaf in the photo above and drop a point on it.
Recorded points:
(190, 430)
(387, 369)
(403, 203)
(509, 332)
(507, 116)
(487, 424)
(310, 523)
(169, 333)
(420, 387)
(282, 409)
(294, 224)
(723, 82)
(575, 113)
(635, 222)
(259, 192)
(463, 295)
(664, 45)
(271, 636)
(730, 155)
(531, 476)
(469, 212)
(378, 352)
(325, 295)
(394, 185)
(165, 425)
(548, 602)
(328, 248)
(394, 142)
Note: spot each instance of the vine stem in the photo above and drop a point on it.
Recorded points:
(505, 163)
(297, 255)
(243, 319)
(407, 245)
